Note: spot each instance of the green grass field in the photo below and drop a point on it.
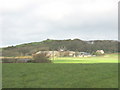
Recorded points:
(111, 58)
(102, 73)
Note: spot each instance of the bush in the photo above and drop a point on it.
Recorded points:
(40, 58)
(9, 60)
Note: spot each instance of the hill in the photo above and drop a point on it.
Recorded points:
(109, 46)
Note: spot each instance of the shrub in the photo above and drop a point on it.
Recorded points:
(9, 60)
(40, 58)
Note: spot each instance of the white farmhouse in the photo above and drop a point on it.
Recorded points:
(100, 51)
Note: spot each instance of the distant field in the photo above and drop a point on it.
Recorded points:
(102, 72)
(109, 58)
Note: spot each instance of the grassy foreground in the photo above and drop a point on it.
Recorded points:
(87, 72)
(36, 75)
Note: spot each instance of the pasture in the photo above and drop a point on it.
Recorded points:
(88, 72)
(109, 58)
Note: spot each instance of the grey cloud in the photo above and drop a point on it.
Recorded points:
(27, 26)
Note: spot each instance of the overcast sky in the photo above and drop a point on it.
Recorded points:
(24, 21)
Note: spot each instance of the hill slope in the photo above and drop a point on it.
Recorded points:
(109, 46)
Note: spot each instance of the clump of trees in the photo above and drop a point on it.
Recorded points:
(40, 58)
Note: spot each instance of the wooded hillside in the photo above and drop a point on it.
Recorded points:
(109, 46)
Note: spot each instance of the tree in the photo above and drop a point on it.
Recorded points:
(40, 58)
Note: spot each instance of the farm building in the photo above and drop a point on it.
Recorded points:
(100, 51)
(84, 54)
(49, 53)
(64, 53)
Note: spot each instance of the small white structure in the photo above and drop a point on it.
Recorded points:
(100, 51)
(71, 53)
(84, 54)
